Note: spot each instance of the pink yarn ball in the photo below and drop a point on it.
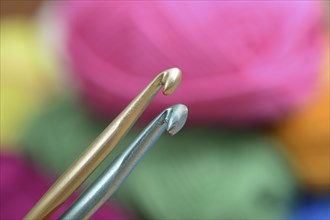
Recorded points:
(242, 61)
(21, 186)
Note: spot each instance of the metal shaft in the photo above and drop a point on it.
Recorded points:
(74, 176)
(171, 119)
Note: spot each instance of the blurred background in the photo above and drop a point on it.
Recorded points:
(255, 80)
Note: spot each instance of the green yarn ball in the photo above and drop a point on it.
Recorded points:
(196, 174)
(58, 134)
(210, 174)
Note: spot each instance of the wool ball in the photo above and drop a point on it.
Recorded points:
(306, 137)
(195, 174)
(313, 207)
(58, 134)
(243, 62)
(211, 174)
(21, 186)
(28, 76)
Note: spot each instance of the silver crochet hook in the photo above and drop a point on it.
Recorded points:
(96, 152)
(172, 120)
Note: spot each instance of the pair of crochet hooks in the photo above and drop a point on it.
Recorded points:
(75, 175)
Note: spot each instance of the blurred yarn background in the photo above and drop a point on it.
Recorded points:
(255, 80)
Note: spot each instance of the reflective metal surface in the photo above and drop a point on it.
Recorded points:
(171, 119)
(75, 175)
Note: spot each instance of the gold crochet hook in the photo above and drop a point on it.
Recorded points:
(75, 175)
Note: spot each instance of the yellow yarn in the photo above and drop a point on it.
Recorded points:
(27, 76)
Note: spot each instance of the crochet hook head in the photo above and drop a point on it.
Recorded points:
(75, 175)
(176, 117)
(170, 120)
(171, 80)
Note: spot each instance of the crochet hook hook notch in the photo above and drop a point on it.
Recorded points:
(171, 120)
(75, 175)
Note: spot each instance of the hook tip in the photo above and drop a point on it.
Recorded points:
(171, 80)
(177, 118)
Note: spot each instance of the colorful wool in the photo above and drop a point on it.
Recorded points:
(242, 61)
